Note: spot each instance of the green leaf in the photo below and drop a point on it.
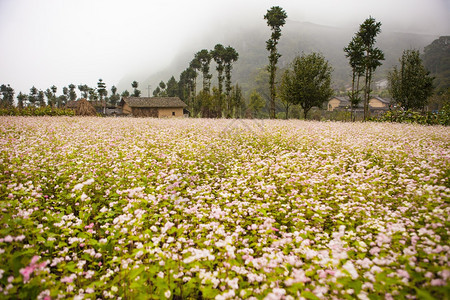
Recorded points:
(309, 295)
(422, 294)
(209, 292)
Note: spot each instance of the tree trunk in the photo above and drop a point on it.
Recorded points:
(353, 95)
(366, 92)
(357, 91)
(272, 92)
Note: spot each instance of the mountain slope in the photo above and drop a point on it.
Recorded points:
(297, 37)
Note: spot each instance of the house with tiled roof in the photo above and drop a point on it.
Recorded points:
(155, 107)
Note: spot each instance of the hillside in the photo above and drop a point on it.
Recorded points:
(436, 59)
(297, 37)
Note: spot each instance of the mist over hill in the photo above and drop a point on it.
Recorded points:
(297, 37)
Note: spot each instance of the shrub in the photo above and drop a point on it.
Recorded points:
(36, 111)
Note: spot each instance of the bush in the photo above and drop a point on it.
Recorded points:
(441, 117)
(36, 111)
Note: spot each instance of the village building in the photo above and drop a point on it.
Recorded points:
(376, 104)
(155, 107)
(341, 103)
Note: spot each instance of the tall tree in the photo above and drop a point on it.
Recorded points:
(411, 85)
(72, 93)
(194, 66)
(276, 18)
(53, 89)
(237, 102)
(307, 82)
(172, 87)
(162, 86)
(286, 92)
(230, 56)
(32, 97)
(136, 92)
(204, 57)
(7, 95)
(256, 103)
(368, 32)
(50, 100)
(101, 89)
(41, 99)
(84, 89)
(218, 54)
(21, 98)
(114, 98)
(157, 92)
(355, 54)
(93, 95)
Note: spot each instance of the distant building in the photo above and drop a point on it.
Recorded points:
(338, 103)
(376, 104)
(155, 107)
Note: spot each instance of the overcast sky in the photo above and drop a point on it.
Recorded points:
(60, 42)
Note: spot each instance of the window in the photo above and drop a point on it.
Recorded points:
(173, 113)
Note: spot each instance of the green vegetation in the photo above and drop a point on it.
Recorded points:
(436, 59)
(276, 18)
(36, 111)
(307, 82)
(424, 118)
(410, 85)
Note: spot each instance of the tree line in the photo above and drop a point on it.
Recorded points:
(306, 82)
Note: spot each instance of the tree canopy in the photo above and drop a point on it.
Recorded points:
(307, 82)
(410, 84)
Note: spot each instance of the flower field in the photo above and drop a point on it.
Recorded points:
(100, 208)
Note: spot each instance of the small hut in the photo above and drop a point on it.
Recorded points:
(82, 107)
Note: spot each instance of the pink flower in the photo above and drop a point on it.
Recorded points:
(437, 282)
(28, 270)
(374, 251)
(67, 279)
(34, 260)
(322, 274)
(26, 273)
(403, 273)
(275, 229)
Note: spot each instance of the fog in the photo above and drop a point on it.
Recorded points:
(54, 42)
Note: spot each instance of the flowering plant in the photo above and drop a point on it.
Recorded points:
(179, 208)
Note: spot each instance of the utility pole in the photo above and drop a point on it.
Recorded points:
(148, 90)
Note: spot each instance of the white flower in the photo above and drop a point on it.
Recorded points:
(350, 268)
(167, 294)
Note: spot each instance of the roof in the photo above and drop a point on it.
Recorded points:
(340, 98)
(154, 102)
